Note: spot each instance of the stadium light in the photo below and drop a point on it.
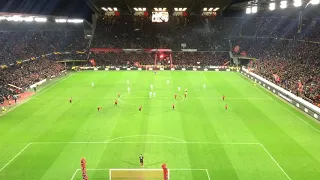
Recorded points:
(115, 9)
(164, 9)
(75, 20)
(175, 9)
(28, 19)
(205, 9)
(103, 8)
(272, 6)
(61, 20)
(144, 9)
(283, 4)
(2, 18)
(110, 9)
(216, 9)
(314, 2)
(136, 9)
(39, 19)
(184, 9)
(248, 10)
(254, 9)
(297, 3)
(156, 9)
(210, 9)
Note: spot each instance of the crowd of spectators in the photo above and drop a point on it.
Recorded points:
(178, 59)
(21, 45)
(126, 32)
(28, 73)
(294, 62)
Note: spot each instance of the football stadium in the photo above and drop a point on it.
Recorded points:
(160, 90)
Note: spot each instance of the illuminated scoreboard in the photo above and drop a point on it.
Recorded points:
(160, 17)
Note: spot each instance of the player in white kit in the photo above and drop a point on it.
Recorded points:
(150, 94)
(204, 86)
(92, 84)
(178, 88)
(128, 89)
(154, 94)
(168, 81)
(151, 87)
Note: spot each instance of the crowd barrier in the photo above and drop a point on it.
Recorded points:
(298, 102)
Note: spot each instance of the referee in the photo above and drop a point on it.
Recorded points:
(141, 160)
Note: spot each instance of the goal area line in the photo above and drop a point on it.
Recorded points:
(141, 169)
(105, 142)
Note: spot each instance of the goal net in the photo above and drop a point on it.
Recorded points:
(137, 174)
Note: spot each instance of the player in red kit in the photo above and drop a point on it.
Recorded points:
(140, 108)
(226, 106)
(172, 106)
(115, 102)
(175, 96)
(165, 171)
(70, 100)
(223, 97)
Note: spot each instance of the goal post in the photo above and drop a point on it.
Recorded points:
(137, 174)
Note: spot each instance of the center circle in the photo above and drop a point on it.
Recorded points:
(137, 98)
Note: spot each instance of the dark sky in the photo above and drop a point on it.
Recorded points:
(70, 8)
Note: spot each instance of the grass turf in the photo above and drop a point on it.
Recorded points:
(258, 137)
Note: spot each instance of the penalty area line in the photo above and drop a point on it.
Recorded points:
(274, 160)
(74, 174)
(15, 156)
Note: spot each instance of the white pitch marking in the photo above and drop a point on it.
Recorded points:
(74, 174)
(139, 142)
(146, 136)
(275, 161)
(15, 156)
(33, 97)
(208, 174)
(291, 112)
(298, 116)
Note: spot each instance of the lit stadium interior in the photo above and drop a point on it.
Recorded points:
(160, 90)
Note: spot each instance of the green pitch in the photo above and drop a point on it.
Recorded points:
(259, 137)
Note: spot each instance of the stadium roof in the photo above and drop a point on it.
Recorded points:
(85, 8)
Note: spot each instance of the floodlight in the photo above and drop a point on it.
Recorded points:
(136, 9)
(248, 10)
(156, 9)
(28, 19)
(272, 6)
(184, 9)
(175, 9)
(283, 4)
(205, 9)
(2, 18)
(297, 3)
(144, 9)
(164, 9)
(180, 9)
(17, 18)
(254, 9)
(75, 20)
(110, 9)
(103, 8)
(39, 19)
(315, 2)
(115, 9)
(216, 9)
(210, 9)
(61, 20)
